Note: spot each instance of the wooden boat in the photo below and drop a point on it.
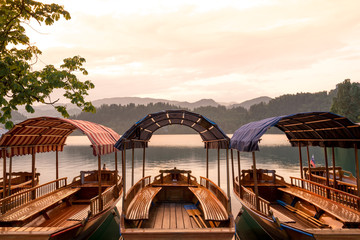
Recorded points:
(59, 209)
(17, 181)
(303, 208)
(175, 205)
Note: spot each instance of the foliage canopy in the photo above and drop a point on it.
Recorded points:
(19, 83)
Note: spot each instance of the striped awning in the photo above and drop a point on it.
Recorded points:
(45, 134)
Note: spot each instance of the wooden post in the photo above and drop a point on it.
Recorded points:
(207, 159)
(334, 169)
(239, 173)
(99, 182)
(255, 182)
(301, 166)
(123, 158)
(327, 173)
(4, 172)
(143, 171)
(132, 163)
(218, 165)
(33, 170)
(232, 167)
(57, 167)
(308, 159)
(228, 175)
(10, 171)
(357, 169)
(116, 168)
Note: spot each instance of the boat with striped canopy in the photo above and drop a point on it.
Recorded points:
(59, 209)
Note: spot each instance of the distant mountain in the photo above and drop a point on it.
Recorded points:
(47, 110)
(145, 101)
(247, 104)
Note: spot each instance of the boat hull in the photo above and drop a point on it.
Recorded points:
(284, 231)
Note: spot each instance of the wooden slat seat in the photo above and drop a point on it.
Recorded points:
(344, 214)
(36, 206)
(211, 206)
(140, 206)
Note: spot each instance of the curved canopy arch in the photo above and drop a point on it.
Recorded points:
(45, 134)
(141, 132)
(323, 129)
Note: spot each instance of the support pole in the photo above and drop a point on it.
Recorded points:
(143, 171)
(228, 174)
(57, 168)
(301, 164)
(327, 173)
(357, 170)
(207, 159)
(123, 161)
(255, 182)
(232, 167)
(308, 159)
(99, 182)
(116, 168)
(132, 163)
(33, 170)
(4, 171)
(239, 173)
(10, 171)
(218, 165)
(334, 169)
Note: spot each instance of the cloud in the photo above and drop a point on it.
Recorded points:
(158, 52)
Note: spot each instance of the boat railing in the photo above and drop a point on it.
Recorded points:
(250, 197)
(341, 185)
(216, 190)
(23, 197)
(336, 195)
(131, 193)
(107, 197)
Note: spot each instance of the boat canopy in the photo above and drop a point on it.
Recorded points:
(323, 129)
(45, 134)
(141, 132)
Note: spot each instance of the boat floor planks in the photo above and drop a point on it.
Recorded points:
(169, 216)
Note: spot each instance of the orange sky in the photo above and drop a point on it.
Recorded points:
(230, 51)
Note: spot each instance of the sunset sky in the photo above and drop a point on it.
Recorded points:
(187, 50)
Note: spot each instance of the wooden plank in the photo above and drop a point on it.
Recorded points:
(179, 216)
(172, 207)
(186, 218)
(166, 221)
(159, 217)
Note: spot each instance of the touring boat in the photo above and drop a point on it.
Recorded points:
(59, 209)
(303, 208)
(175, 204)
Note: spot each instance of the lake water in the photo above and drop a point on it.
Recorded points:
(181, 151)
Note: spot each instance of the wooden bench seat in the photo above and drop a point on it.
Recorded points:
(36, 206)
(344, 214)
(211, 206)
(140, 206)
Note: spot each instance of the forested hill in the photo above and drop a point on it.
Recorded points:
(120, 118)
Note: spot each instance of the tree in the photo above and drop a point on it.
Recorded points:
(19, 84)
(347, 100)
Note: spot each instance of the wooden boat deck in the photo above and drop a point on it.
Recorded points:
(344, 214)
(169, 216)
(37, 206)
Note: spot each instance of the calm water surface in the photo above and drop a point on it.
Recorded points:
(169, 151)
